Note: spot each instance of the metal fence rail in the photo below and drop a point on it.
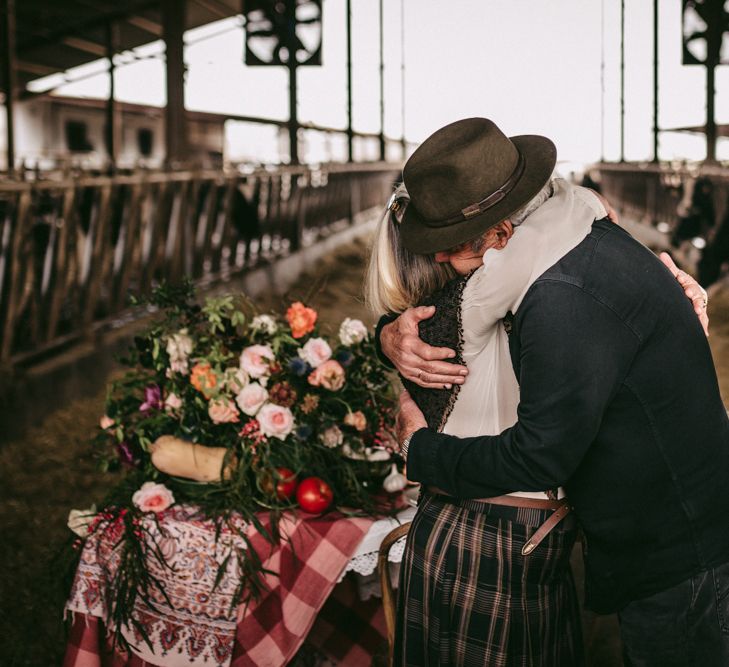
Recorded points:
(656, 193)
(71, 252)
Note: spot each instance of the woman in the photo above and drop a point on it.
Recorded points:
(468, 593)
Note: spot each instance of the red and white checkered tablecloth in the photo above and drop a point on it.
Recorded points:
(201, 628)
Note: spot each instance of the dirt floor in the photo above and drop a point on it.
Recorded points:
(50, 470)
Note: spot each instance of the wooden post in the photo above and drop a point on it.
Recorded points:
(9, 79)
(173, 19)
(112, 109)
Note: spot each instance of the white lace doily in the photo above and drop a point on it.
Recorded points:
(364, 560)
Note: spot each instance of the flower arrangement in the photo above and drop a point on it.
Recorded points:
(237, 412)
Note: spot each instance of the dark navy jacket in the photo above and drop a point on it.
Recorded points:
(619, 404)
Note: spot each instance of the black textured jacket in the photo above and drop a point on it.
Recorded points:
(619, 404)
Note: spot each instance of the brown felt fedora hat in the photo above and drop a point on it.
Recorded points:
(468, 177)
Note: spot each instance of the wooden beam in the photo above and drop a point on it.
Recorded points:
(214, 7)
(152, 27)
(85, 45)
(34, 68)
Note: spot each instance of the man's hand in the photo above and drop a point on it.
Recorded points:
(416, 360)
(693, 290)
(409, 418)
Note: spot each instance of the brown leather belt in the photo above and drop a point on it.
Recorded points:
(561, 510)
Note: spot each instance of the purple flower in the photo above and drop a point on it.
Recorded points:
(152, 399)
(303, 432)
(298, 366)
(126, 454)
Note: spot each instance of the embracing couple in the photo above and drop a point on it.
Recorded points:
(558, 379)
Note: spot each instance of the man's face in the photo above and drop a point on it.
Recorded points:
(468, 256)
(462, 258)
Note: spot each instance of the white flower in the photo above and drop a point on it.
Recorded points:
(264, 323)
(332, 437)
(315, 352)
(275, 420)
(79, 520)
(236, 379)
(179, 346)
(369, 454)
(178, 366)
(352, 331)
(251, 398)
(255, 360)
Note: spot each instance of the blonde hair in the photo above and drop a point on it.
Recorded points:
(397, 278)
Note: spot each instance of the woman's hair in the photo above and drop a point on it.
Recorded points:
(397, 278)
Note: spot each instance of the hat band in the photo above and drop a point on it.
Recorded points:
(487, 202)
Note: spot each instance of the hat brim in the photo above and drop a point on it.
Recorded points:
(540, 157)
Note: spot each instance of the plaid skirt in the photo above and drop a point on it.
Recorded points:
(468, 597)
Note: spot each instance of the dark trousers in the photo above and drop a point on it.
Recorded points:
(684, 626)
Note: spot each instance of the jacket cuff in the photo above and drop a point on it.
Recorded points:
(421, 457)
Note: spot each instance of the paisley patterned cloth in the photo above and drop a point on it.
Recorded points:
(200, 626)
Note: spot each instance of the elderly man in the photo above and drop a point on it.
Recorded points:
(619, 404)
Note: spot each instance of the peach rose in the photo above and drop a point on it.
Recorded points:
(275, 421)
(315, 352)
(356, 420)
(329, 375)
(153, 497)
(301, 319)
(256, 360)
(106, 422)
(203, 378)
(222, 411)
(251, 398)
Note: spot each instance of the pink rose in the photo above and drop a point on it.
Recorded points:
(256, 360)
(329, 375)
(356, 420)
(275, 421)
(153, 497)
(172, 402)
(106, 422)
(315, 352)
(251, 398)
(222, 411)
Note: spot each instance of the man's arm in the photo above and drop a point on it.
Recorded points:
(398, 343)
(575, 353)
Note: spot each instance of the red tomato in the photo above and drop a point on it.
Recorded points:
(285, 483)
(286, 486)
(314, 495)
